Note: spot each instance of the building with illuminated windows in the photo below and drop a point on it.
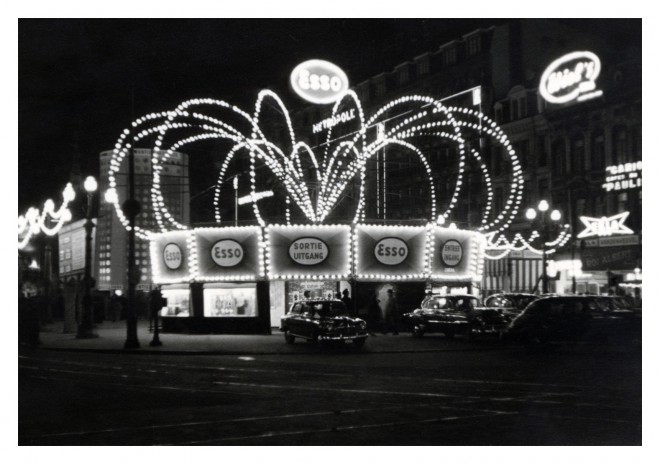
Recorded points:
(111, 236)
(582, 153)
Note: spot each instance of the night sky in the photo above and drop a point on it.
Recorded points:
(81, 82)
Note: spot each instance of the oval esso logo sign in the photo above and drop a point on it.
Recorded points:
(172, 256)
(227, 253)
(308, 251)
(571, 77)
(319, 81)
(391, 251)
(452, 253)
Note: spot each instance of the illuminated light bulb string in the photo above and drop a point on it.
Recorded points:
(344, 159)
(34, 222)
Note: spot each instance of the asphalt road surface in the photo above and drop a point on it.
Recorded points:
(485, 394)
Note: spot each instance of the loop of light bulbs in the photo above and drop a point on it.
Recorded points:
(343, 161)
(34, 222)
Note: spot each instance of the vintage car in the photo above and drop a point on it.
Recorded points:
(322, 320)
(510, 304)
(454, 315)
(564, 318)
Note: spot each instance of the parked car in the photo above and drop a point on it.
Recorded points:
(510, 304)
(454, 315)
(322, 320)
(560, 318)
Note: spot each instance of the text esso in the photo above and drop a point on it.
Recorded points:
(391, 251)
(452, 253)
(227, 253)
(319, 81)
(172, 256)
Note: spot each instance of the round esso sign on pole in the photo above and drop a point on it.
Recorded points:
(452, 253)
(227, 253)
(172, 256)
(391, 251)
(319, 81)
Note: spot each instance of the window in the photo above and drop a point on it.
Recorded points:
(558, 153)
(541, 153)
(474, 45)
(522, 150)
(577, 152)
(598, 152)
(497, 161)
(636, 143)
(619, 146)
(449, 56)
(402, 75)
(622, 202)
(423, 66)
(544, 188)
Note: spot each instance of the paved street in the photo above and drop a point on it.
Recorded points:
(450, 392)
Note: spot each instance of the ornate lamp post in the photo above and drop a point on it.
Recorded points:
(86, 326)
(544, 221)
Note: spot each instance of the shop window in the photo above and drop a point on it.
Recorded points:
(230, 300)
(178, 302)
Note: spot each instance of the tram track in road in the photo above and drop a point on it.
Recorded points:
(259, 400)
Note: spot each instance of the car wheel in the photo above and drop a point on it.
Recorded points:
(290, 339)
(359, 342)
(417, 332)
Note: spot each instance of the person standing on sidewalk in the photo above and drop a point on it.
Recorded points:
(391, 313)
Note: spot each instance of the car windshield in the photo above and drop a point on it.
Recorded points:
(329, 308)
(436, 303)
(466, 303)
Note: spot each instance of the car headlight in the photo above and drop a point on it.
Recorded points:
(362, 325)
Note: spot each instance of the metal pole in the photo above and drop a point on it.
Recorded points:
(86, 326)
(132, 209)
(236, 200)
(544, 237)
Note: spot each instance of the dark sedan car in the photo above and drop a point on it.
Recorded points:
(510, 304)
(324, 320)
(561, 318)
(454, 315)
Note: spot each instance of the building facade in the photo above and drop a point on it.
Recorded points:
(112, 238)
(574, 154)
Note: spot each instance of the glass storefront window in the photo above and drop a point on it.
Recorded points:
(230, 300)
(178, 302)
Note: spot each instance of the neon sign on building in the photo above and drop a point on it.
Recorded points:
(319, 81)
(623, 177)
(571, 78)
(605, 226)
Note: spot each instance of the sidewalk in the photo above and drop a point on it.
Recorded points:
(112, 335)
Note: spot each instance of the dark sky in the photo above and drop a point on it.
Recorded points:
(76, 76)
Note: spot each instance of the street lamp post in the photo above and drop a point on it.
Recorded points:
(543, 222)
(236, 200)
(86, 326)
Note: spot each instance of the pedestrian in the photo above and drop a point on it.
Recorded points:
(374, 316)
(348, 301)
(391, 313)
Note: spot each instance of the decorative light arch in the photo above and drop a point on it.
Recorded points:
(343, 162)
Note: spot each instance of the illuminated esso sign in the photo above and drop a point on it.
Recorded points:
(451, 253)
(227, 253)
(391, 251)
(571, 77)
(319, 81)
(308, 251)
(172, 256)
